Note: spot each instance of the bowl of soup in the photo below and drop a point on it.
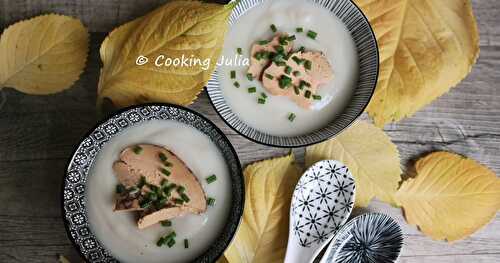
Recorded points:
(294, 72)
(153, 183)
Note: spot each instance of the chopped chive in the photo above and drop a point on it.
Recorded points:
(171, 235)
(166, 223)
(288, 69)
(279, 49)
(269, 76)
(283, 40)
(171, 242)
(185, 198)
(280, 63)
(297, 60)
(291, 117)
(212, 178)
(285, 81)
(178, 201)
(239, 51)
(308, 65)
(236, 84)
(160, 242)
(261, 101)
(263, 95)
(167, 163)
(142, 182)
(233, 74)
(299, 29)
(137, 149)
(146, 204)
(162, 157)
(317, 97)
(120, 188)
(307, 94)
(252, 90)
(250, 76)
(296, 89)
(181, 189)
(273, 28)
(291, 38)
(211, 201)
(258, 56)
(263, 42)
(311, 34)
(278, 57)
(296, 73)
(165, 171)
(133, 190)
(186, 243)
(302, 49)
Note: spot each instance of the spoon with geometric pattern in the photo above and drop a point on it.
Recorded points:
(321, 203)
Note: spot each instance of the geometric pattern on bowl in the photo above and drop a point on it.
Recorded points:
(77, 171)
(322, 202)
(368, 238)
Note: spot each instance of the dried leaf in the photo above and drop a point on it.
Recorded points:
(263, 234)
(451, 197)
(426, 47)
(43, 55)
(370, 155)
(189, 29)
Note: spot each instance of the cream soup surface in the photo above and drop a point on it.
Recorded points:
(118, 231)
(333, 39)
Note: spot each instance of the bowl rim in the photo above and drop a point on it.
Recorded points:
(108, 117)
(325, 138)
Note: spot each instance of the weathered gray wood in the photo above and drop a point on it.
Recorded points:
(38, 134)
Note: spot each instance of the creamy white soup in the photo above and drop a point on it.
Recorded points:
(333, 39)
(118, 231)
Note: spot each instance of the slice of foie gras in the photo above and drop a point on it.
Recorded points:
(257, 66)
(320, 73)
(132, 166)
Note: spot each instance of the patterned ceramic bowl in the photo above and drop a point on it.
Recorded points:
(367, 238)
(77, 171)
(367, 49)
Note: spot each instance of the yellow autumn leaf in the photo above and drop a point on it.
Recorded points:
(426, 47)
(263, 234)
(371, 157)
(190, 32)
(451, 196)
(43, 55)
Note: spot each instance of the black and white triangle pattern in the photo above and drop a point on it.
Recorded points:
(322, 202)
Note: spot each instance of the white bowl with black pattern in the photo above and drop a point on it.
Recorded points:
(367, 49)
(77, 171)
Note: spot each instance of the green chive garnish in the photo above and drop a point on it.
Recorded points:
(269, 76)
(283, 40)
(178, 201)
(263, 42)
(239, 51)
(279, 49)
(162, 157)
(165, 171)
(250, 76)
(302, 49)
(263, 95)
(288, 69)
(311, 34)
(160, 242)
(120, 188)
(233, 74)
(291, 38)
(296, 89)
(171, 242)
(166, 223)
(317, 97)
(291, 117)
(186, 243)
(142, 182)
(185, 197)
(212, 178)
(308, 65)
(211, 201)
(299, 29)
(280, 63)
(273, 28)
(252, 90)
(285, 81)
(146, 204)
(236, 84)
(297, 60)
(172, 235)
(296, 73)
(181, 189)
(307, 94)
(137, 149)
(261, 101)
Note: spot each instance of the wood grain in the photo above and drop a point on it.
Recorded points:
(39, 133)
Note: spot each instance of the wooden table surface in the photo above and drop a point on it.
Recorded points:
(39, 133)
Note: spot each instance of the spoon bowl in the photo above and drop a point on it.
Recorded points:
(321, 203)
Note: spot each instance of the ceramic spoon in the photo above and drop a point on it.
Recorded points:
(321, 204)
